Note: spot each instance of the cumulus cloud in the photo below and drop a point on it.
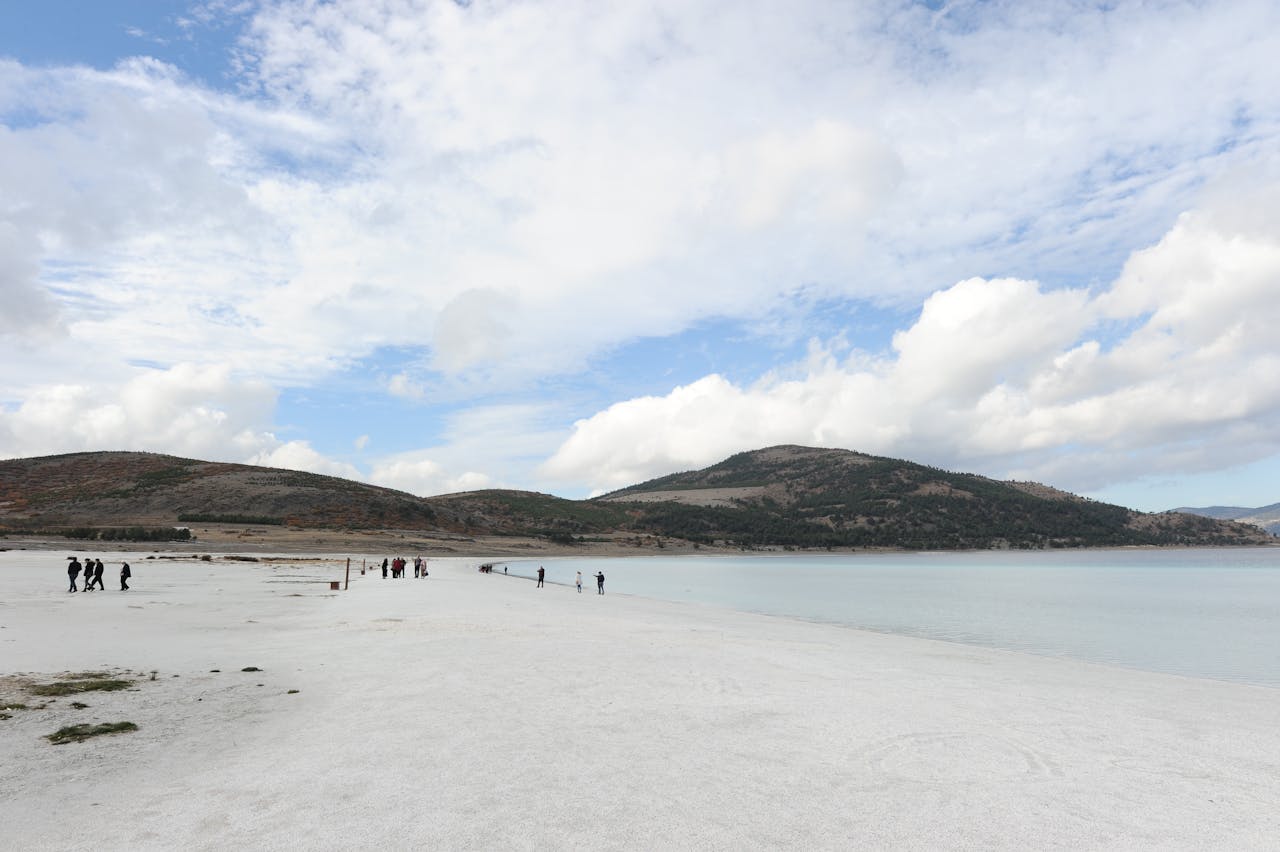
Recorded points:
(1006, 377)
(419, 475)
(504, 192)
(199, 411)
(512, 218)
(299, 455)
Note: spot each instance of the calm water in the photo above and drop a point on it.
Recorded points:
(1211, 613)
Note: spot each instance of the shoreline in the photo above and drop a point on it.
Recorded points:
(459, 712)
(256, 540)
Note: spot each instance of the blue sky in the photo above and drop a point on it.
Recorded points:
(570, 246)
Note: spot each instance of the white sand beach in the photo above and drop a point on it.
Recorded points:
(473, 711)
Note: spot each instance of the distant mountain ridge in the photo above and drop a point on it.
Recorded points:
(785, 496)
(1267, 517)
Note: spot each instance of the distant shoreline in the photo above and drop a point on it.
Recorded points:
(223, 538)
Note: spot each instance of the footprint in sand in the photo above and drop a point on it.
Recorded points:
(957, 758)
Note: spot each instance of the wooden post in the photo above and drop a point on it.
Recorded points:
(348, 585)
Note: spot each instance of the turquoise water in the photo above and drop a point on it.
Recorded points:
(1212, 613)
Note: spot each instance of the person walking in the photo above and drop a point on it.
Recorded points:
(86, 583)
(599, 582)
(579, 582)
(125, 574)
(73, 571)
(98, 568)
(541, 574)
(384, 567)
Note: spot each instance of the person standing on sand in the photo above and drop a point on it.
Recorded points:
(599, 582)
(87, 584)
(73, 571)
(541, 573)
(98, 568)
(579, 582)
(125, 574)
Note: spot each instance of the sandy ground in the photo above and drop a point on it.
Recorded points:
(473, 711)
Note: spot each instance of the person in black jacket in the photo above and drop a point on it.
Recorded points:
(98, 568)
(125, 574)
(73, 571)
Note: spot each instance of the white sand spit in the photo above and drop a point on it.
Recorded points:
(472, 711)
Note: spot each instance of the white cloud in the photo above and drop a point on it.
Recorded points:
(502, 192)
(188, 410)
(299, 455)
(1003, 376)
(419, 475)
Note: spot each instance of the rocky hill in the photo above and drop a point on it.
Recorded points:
(776, 497)
(119, 488)
(810, 497)
(1267, 517)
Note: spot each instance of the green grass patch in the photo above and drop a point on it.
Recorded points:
(13, 705)
(75, 687)
(80, 733)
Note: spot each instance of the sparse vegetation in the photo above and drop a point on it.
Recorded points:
(212, 518)
(76, 686)
(80, 733)
(111, 533)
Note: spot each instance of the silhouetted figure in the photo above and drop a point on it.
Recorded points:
(73, 571)
(385, 563)
(542, 572)
(86, 584)
(98, 568)
(599, 582)
(125, 574)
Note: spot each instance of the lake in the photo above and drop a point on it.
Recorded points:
(1212, 613)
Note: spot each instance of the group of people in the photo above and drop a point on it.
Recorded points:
(542, 575)
(93, 570)
(399, 565)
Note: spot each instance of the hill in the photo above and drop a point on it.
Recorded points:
(809, 497)
(1267, 517)
(115, 488)
(776, 497)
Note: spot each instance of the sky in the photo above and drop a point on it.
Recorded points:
(570, 246)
